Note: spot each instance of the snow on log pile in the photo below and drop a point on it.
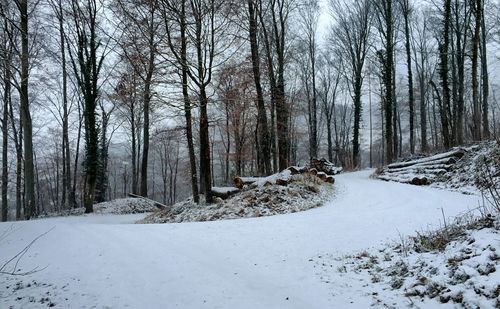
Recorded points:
(325, 166)
(422, 171)
(281, 193)
(457, 169)
(457, 265)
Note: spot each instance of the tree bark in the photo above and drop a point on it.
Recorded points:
(29, 172)
(443, 72)
(411, 99)
(484, 75)
(476, 107)
(5, 133)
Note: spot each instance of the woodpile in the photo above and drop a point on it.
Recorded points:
(422, 171)
(240, 182)
(224, 192)
(281, 179)
(325, 166)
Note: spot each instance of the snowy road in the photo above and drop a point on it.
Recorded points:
(99, 262)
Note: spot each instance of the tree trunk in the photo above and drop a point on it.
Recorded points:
(476, 107)
(411, 99)
(5, 135)
(460, 62)
(484, 75)
(147, 107)
(357, 121)
(264, 141)
(29, 172)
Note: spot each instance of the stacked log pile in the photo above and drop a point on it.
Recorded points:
(325, 166)
(423, 171)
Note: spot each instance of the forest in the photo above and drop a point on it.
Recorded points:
(168, 98)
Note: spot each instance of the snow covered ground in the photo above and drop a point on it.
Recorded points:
(104, 261)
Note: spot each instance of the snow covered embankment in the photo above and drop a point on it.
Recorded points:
(302, 192)
(428, 270)
(122, 206)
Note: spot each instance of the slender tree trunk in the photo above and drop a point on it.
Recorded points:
(18, 141)
(423, 115)
(205, 161)
(133, 131)
(145, 139)
(411, 99)
(476, 108)
(147, 108)
(264, 141)
(443, 72)
(72, 196)
(484, 75)
(29, 176)
(460, 59)
(357, 121)
(5, 136)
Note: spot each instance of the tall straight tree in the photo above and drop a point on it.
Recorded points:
(87, 59)
(422, 50)
(309, 15)
(476, 105)
(6, 53)
(264, 138)
(141, 28)
(274, 16)
(407, 10)
(59, 12)
(29, 168)
(175, 19)
(351, 34)
(444, 48)
(484, 74)
(461, 22)
(385, 17)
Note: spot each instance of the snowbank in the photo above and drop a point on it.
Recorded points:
(120, 206)
(263, 199)
(465, 273)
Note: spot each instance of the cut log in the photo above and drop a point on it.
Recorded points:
(240, 182)
(295, 170)
(455, 154)
(322, 176)
(325, 166)
(313, 171)
(420, 181)
(282, 182)
(330, 179)
(268, 184)
(224, 192)
(160, 206)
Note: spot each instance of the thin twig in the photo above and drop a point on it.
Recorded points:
(18, 258)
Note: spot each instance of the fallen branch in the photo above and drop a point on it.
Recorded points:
(17, 258)
(158, 205)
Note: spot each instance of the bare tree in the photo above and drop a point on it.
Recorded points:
(87, 59)
(309, 15)
(264, 140)
(351, 34)
(274, 17)
(407, 11)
